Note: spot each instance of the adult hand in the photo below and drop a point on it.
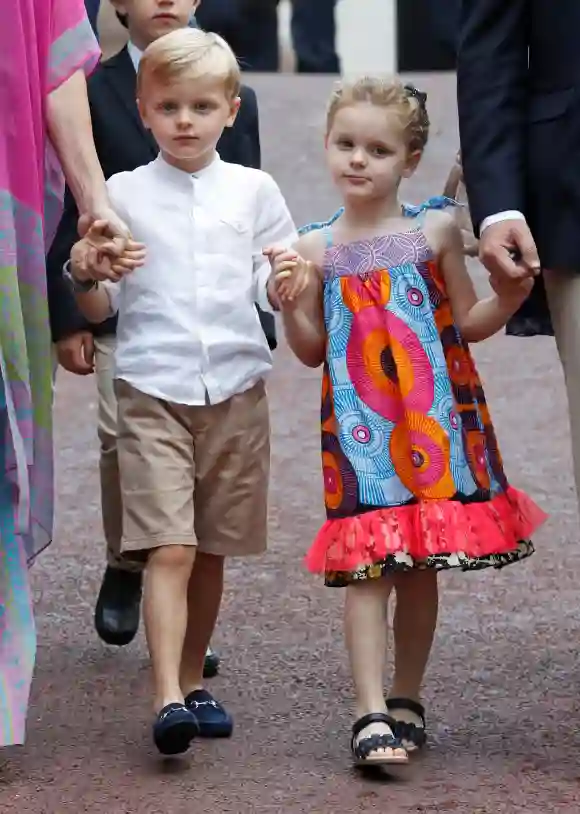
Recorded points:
(110, 238)
(116, 227)
(96, 257)
(507, 249)
(76, 353)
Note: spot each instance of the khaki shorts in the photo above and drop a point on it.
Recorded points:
(194, 475)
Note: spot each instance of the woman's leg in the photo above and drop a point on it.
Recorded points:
(365, 626)
(165, 616)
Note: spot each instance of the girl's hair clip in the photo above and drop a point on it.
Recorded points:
(417, 94)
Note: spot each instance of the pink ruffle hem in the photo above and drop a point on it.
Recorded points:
(425, 529)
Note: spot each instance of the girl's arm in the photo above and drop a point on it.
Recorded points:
(303, 317)
(476, 319)
(304, 324)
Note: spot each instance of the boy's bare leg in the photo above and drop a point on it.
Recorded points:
(204, 596)
(165, 615)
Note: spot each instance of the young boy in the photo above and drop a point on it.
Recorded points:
(191, 360)
(123, 143)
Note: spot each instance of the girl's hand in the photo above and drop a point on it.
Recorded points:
(510, 290)
(290, 273)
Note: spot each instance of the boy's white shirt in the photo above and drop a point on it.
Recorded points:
(135, 55)
(188, 329)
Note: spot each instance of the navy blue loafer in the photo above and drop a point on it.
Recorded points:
(213, 720)
(176, 726)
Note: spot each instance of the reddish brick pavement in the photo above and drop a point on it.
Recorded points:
(502, 691)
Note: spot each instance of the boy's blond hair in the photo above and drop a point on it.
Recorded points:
(193, 52)
(389, 93)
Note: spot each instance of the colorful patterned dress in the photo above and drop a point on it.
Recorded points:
(42, 43)
(413, 476)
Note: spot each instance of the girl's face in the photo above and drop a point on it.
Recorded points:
(367, 152)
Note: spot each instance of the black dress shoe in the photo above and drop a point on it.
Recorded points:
(529, 326)
(118, 606)
(211, 664)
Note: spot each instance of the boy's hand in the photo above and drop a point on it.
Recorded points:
(98, 257)
(76, 353)
(290, 273)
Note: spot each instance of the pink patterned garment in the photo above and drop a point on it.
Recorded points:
(42, 44)
(413, 477)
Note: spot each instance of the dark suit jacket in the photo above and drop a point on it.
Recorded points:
(519, 115)
(123, 144)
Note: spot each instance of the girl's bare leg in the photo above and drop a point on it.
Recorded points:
(365, 626)
(414, 629)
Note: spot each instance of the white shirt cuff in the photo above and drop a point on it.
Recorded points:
(509, 214)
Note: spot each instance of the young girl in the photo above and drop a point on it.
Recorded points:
(413, 477)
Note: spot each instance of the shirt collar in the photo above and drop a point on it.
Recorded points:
(169, 171)
(135, 55)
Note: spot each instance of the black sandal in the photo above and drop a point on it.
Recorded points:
(361, 749)
(411, 736)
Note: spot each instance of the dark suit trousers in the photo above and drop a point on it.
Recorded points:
(249, 26)
(314, 36)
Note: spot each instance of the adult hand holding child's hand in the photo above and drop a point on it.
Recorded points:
(97, 256)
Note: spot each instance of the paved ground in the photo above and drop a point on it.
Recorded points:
(502, 691)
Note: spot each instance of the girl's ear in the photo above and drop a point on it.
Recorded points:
(412, 163)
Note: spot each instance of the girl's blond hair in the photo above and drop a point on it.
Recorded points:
(405, 100)
(193, 52)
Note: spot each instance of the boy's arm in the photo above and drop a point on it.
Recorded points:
(273, 227)
(99, 300)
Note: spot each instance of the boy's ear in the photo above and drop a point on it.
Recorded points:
(234, 110)
(142, 112)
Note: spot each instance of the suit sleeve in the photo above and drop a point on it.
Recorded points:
(492, 80)
(65, 317)
(253, 123)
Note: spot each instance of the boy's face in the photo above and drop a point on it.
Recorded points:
(150, 19)
(187, 117)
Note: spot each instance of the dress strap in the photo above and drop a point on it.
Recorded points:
(420, 212)
(325, 225)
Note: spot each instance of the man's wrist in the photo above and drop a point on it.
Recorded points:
(499, 217)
